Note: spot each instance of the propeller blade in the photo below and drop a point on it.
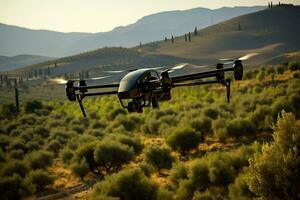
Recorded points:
(59, 81)
(98, 78)
(248, 56)
(115, 71)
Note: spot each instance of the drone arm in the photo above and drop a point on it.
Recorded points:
(96, 87)
(100, 93)
(196, 76)
(193, 84)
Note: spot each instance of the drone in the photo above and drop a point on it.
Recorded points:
(147, 87)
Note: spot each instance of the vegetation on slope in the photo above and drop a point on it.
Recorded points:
(49, 146)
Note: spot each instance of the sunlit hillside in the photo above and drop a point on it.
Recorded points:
(195, 146)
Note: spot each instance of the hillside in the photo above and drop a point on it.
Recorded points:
(271, 32)
(16, 40)
(195, 145)
(11, 63)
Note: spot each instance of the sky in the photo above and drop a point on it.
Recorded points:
(99, 15)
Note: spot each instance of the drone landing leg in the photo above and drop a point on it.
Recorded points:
(79, 99)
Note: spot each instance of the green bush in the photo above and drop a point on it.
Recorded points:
(15, 167)
(86, 152)
(280, 70)
(203, 125)
(40, 159)
(239, 190)
(110, 156)
(199, 175)
(274, 174)
(33, 106)
(40, 179)
(131, 141)
(130, 184)
(211, 113)
(239, 127)
(184, 140)
(220, 173)
(15, 187)
(159, 157)
(66, 155)
(8, 110)
(80, 169)
(294, 66)
(219, 129)
(177, 173)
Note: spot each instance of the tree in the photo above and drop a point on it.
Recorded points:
(129, 184)
(185, 37)
(172, 39)
(190, 37)
(86, 152)
(110, 156)
(184, 140)
(158, 157)
(195, 31)
(80, 169)
(274, 174)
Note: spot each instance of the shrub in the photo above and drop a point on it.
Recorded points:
(40, 159)
(199, 175)
(274, 174)
(130, 184)
(238, 127)
(211, 113)
(54, 146)
(66, 155)
(8, 110)
(220, 173)
(40, 179)
(32, 106)
(15, 187)
(4, 142)
(260, 76)
(15, 167)
(184, 140)
(86, 152)
(294, 66)
(80, 169)
(202, 125)
(135, 143)
(111, 156)
(185, 190)
(158, 157)
(177, 173)
(239, 190)
(279, 70)
(220, 130)
(16, 154)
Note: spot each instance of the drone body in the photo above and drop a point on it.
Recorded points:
(146, 87)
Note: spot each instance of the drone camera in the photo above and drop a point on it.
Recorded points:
(70, 90)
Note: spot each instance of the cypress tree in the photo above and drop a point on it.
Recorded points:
(190, 37)
(185, 37)
(196, 31)
(172, 39)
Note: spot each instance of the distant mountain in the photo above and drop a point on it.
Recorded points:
(15, 40)
(274, 33)
(15, 62)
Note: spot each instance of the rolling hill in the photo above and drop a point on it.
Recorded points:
(11, 63)
(16, 40)
(271, 32)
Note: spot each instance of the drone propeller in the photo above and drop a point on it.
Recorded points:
(245, 57)
(61, 81)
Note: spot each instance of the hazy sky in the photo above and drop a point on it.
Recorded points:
(98, 15)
